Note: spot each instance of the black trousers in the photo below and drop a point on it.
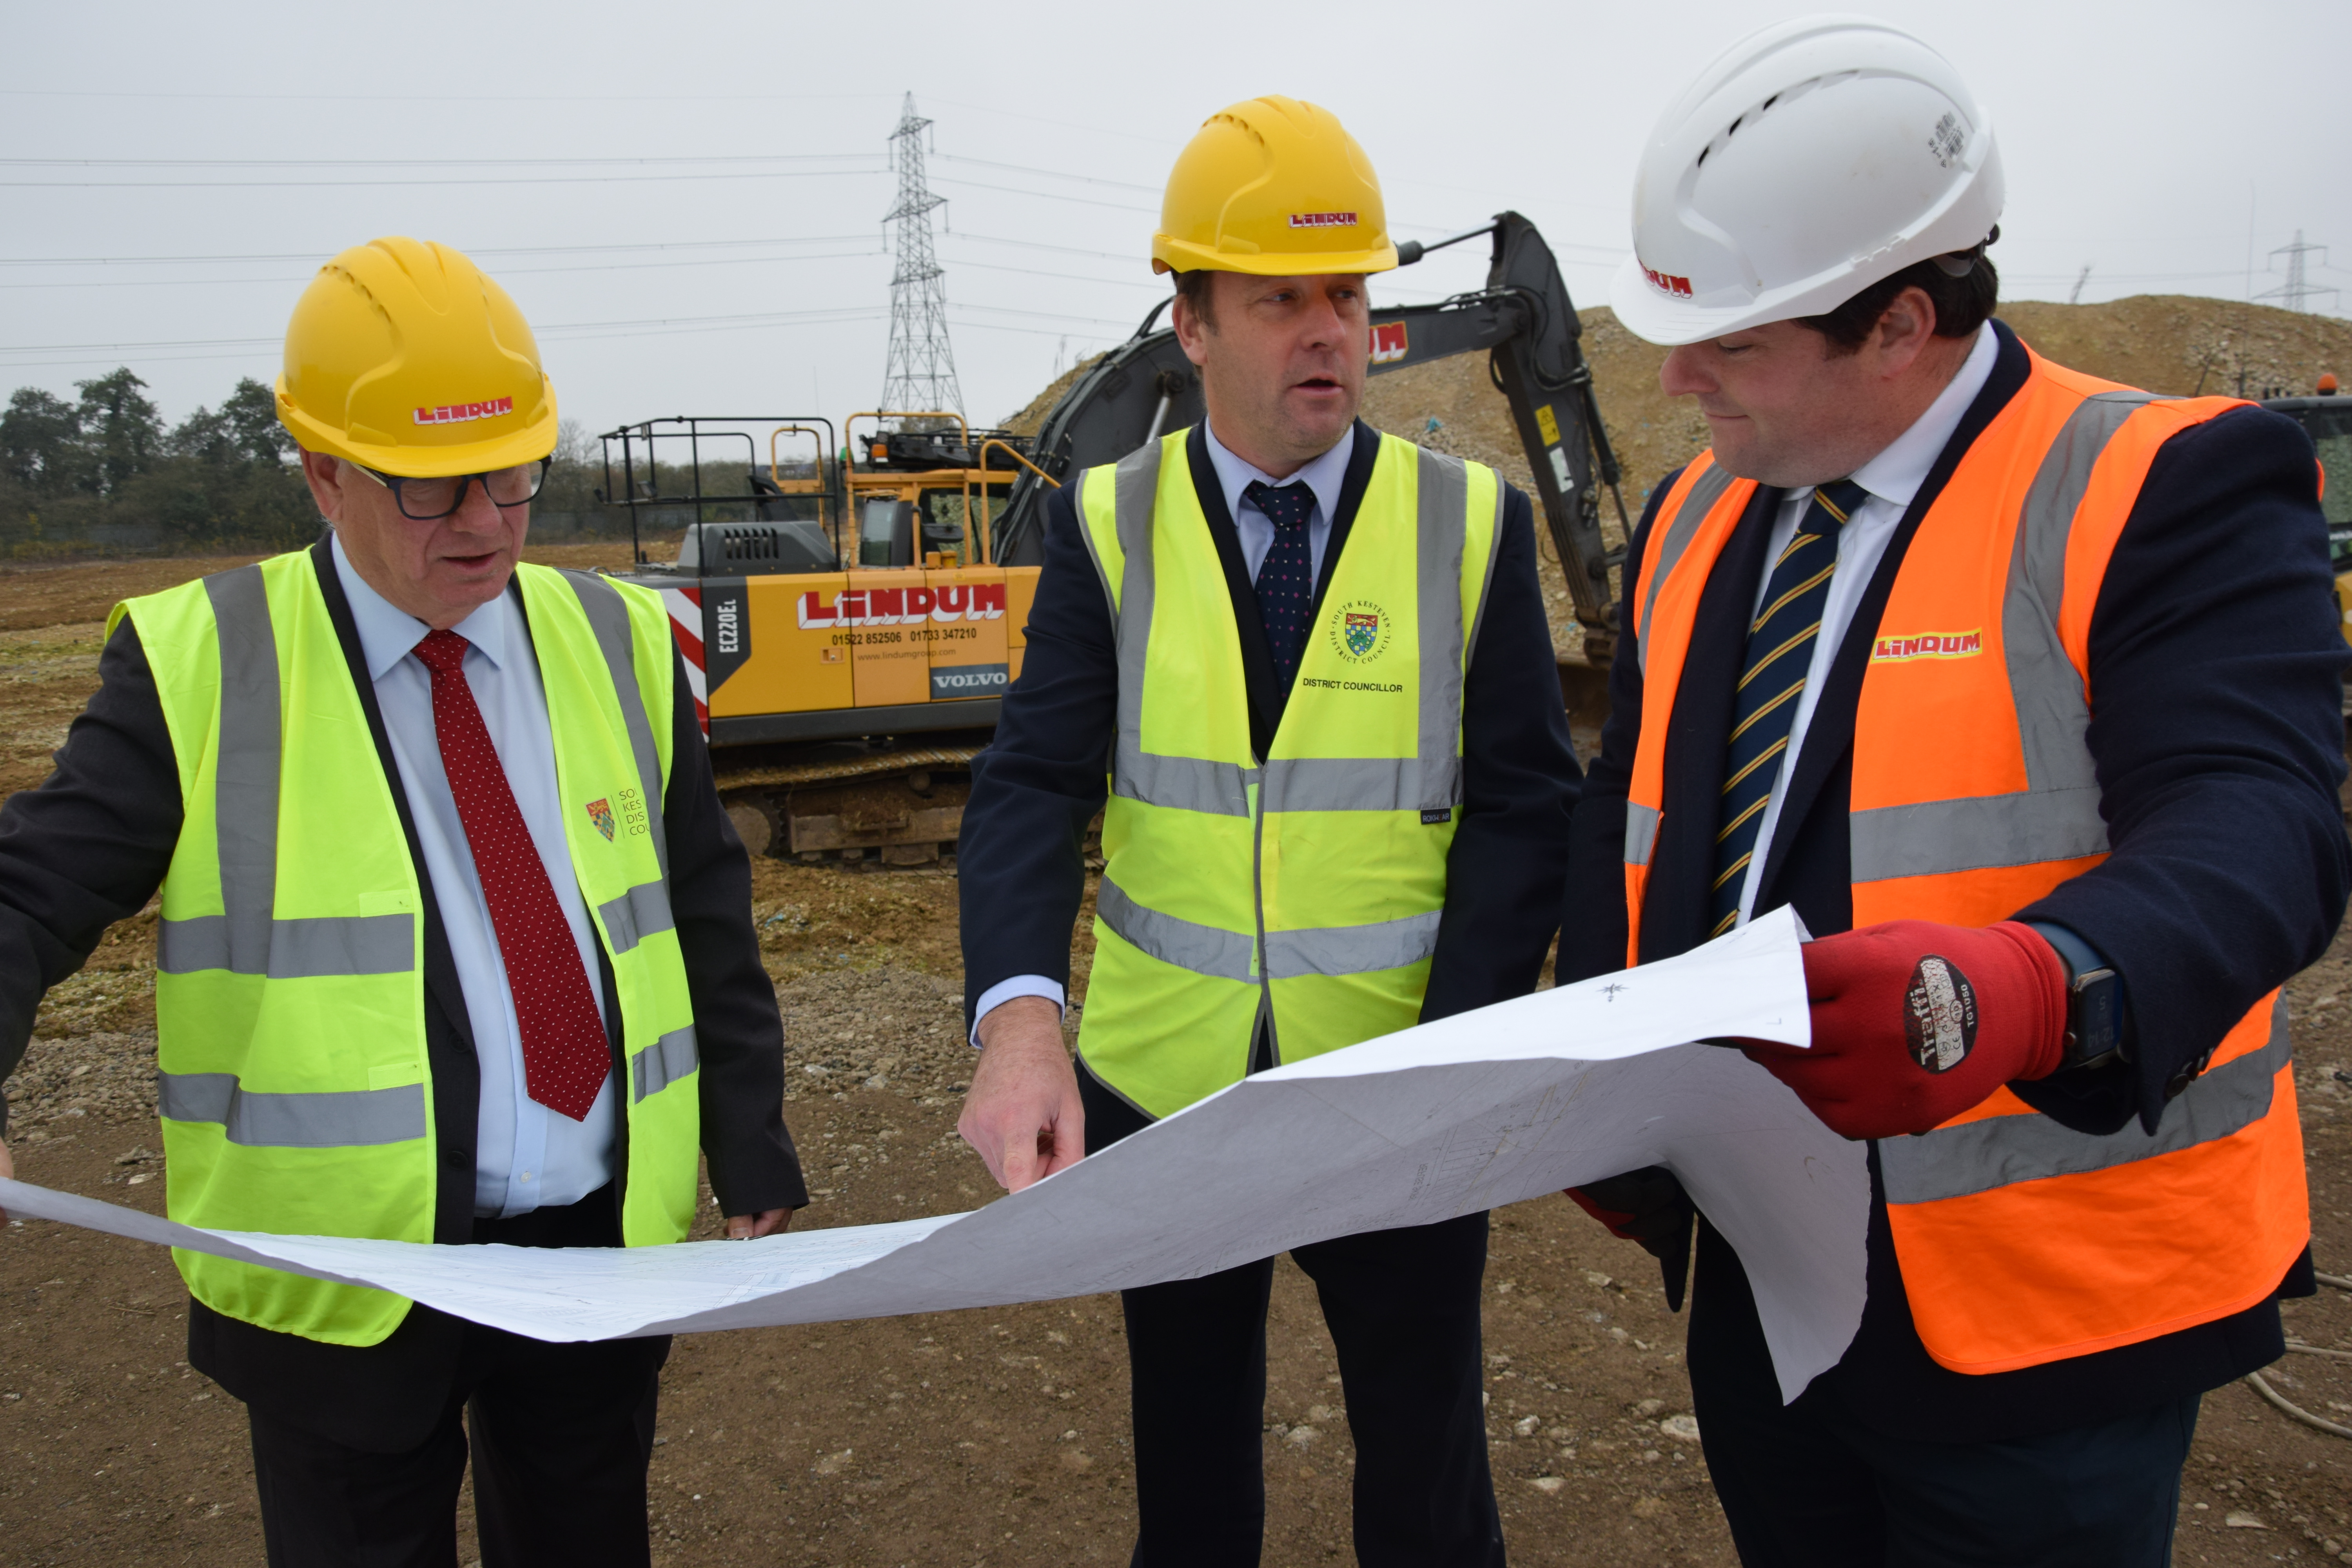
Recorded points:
(562, 1435)
(1402, 1309)
(1809, 1485)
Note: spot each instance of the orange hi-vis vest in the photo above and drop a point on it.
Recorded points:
(1974, 794)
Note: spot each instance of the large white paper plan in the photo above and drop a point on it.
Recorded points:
(1511, 1102)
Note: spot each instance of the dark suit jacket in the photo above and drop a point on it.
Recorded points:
(2217, 733)
(91, 845)
(1042, 779)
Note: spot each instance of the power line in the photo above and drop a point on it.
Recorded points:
(481, 251)
(781, 100)
(1040, 272)
(1051, 197)
(1027, 169)
(390, 184)
(425, 163)
(503, 272)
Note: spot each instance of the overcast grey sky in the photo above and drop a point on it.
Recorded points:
(685, 199)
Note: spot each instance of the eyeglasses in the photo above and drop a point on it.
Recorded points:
(424, 500)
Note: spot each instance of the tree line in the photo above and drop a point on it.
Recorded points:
(103, 471)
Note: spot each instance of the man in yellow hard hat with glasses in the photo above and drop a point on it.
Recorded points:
(1317, 660)
(454, 946)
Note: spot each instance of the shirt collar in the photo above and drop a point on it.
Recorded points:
(1324, 476)
(388, 633)
(1896, 473)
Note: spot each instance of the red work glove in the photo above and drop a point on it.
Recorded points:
(1648, 1207)
(1914, 1022)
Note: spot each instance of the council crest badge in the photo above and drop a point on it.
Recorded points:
(1359, 631)
(600, 813)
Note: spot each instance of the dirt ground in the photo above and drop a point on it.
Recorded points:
(956, 1438)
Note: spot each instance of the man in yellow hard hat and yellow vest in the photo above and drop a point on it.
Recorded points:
(455, 942)
(1316, 662)
(2022, 687)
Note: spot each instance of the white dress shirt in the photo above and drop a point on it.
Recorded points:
(525, 1155)
(1324, 477)
(1892, 478)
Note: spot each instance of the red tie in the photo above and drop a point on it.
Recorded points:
(565, 1053)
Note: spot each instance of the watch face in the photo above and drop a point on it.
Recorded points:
(1939, 1015)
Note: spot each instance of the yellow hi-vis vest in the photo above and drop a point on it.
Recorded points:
(1302, 890)
(289, 987)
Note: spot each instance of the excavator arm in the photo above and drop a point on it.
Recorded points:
(1522, 318)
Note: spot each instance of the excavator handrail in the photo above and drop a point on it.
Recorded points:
(1017, 458)
(987, 538)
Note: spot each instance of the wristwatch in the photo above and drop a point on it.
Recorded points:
(2094, 1001)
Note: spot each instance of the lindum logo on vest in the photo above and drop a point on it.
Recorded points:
(1903, 650)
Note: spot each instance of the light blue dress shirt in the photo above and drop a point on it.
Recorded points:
(1324, 476)
(525, 1155)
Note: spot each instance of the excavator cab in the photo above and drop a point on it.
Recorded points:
(845, 629)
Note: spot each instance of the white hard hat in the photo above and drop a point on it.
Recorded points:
(1808, 161)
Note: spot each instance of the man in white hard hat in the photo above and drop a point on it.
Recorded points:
(2022, 687)
(1316, 661)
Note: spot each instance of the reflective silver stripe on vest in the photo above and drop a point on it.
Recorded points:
(1997, 1150)
(294, 950)
(1204, 950)
(1704, 491)
(2056, 817)
(1641, 832)
(1182, 784)
(642, 912)
(1344, 784)
(664, 1062)
(1442, 499)
(608, 618)
(247, 938)
(1487, 582)
(346, 1121)
(1352, 950)
(245, 777)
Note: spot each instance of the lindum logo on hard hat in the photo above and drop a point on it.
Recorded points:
(460, 413)
(1322, 220)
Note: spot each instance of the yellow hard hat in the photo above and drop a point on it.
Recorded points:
(404, 357)
(1275, 188)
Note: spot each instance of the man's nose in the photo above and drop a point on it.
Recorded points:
(1325, 324)
(1684, 373)
(476, 512)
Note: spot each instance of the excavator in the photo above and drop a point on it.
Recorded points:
(851, 617)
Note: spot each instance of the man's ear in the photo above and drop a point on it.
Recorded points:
(1904, 328)
(325, 475)
(1191, 332)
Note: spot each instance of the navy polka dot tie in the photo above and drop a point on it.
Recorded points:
(565, 1058)
(1772, 680)
(1286, 578)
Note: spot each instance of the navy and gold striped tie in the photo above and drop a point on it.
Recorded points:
(1772, 680)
